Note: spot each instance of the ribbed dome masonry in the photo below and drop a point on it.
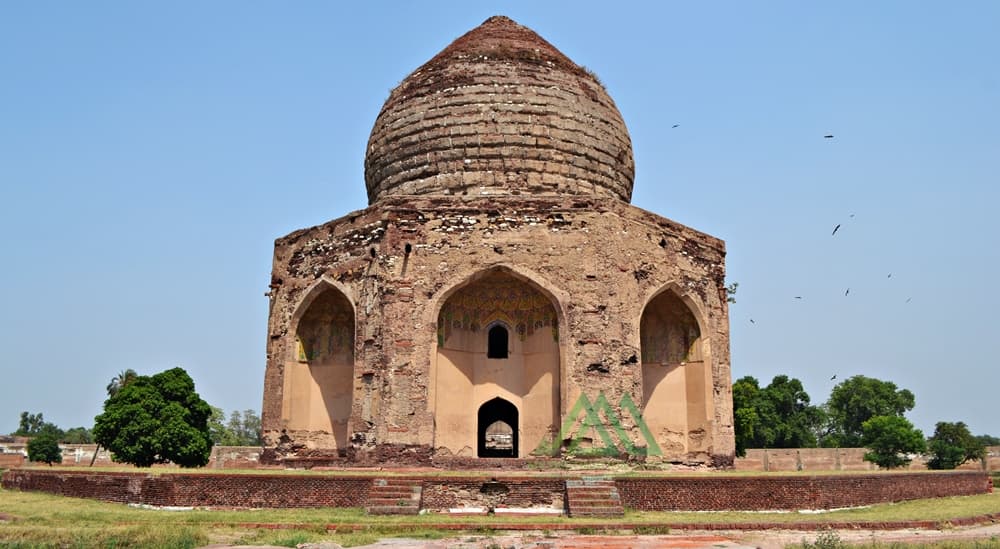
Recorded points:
(499, 112)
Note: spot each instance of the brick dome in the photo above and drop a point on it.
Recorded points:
(500, 111)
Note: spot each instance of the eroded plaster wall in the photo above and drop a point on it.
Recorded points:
(319, 375)
(677, 398)
(598, 262)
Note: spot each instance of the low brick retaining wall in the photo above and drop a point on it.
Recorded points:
(786, 492)
(680, 493)
(198, 490)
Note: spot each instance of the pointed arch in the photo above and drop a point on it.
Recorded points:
(463, 365)
(319, 373)
(676, 373)
(501, 417)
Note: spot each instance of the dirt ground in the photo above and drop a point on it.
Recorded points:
(762, 539)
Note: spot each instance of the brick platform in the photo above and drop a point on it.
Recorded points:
(438, 493)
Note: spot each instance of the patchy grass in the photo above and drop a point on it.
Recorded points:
(938, 509)
(34, 519)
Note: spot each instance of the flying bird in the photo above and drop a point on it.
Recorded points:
(890, 275)
(828, 136)
(798, 297)
(848, 291)
(752, 322)
(834, 377)
(908, 299)
(835, 229)
(852, 216)
(675, 125)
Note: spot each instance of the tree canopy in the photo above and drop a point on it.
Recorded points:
(858, 399)
(156, 419)
(241, 429)
(31, 425)
(890, 440)
(777, 416)
(44, 448)
(952, 445)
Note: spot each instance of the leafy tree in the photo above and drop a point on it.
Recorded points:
(155, 419)
(731, 292)
(121, 380)
(858, 399)
(245, 427)
(953, 445)
(988, 440)
(889, 439)
(34, 424)
(777, 416)
(746, 421)
(242, 429)
(77, 435)
(44, 448)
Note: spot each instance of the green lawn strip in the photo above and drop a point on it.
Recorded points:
(46, 509)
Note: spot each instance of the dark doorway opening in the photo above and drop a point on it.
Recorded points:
(497, 342)
(497, 429)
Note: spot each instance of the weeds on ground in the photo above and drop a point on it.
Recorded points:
(827, 539)
(830, 539)
(651, 530)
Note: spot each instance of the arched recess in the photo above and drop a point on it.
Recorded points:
(497, 429)
(318, 377)
(465, 375)
(676, 375)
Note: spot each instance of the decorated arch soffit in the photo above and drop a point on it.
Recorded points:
(324, 323)
(497, 297)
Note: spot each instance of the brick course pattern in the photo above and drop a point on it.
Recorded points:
(452, 492)
(198, 490)
(500, 111)
(645, 494)
(766, 493)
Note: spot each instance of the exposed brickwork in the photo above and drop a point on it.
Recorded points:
(453, 492)
(395, 496)
(593, 497)
(710, 492)
(499, 164)
(500, 111)
(201, 490)
(11, 460)
(599, 302)
(762, 493)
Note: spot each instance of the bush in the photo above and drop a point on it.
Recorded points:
(44, 448)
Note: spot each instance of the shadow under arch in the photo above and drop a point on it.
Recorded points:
(463, 372)
(677, 399)
(318, 383)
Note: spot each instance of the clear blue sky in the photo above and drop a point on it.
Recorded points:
(150, 153)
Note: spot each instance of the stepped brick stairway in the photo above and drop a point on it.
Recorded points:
(390, 496)
(593, 497)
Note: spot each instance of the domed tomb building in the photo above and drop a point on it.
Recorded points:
(499, 297)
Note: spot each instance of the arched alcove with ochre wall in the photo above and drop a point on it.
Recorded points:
(318, 380)
(468, 373)
(676, 379)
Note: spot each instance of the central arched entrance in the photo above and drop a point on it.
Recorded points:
(497, 360)
(497, 429)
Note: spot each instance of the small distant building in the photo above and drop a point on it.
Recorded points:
(499, 296)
